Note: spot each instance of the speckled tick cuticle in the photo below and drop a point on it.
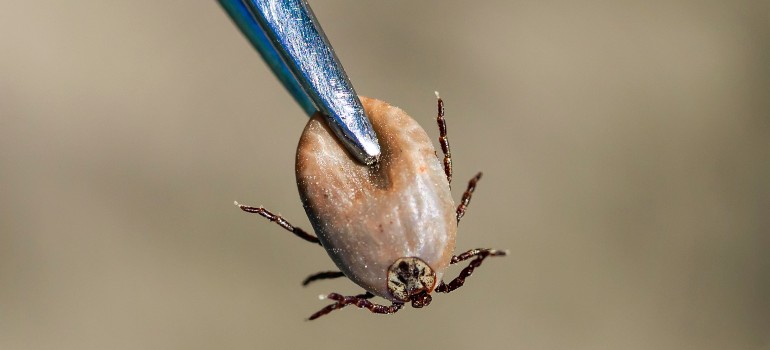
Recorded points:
(390, 227)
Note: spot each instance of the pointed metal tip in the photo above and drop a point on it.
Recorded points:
(372, 153)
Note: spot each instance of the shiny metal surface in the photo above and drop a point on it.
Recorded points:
(289, 38)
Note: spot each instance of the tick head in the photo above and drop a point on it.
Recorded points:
(411, 279)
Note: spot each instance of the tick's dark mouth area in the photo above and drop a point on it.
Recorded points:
(421, 299)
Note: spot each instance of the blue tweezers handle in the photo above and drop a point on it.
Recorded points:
(289, 38)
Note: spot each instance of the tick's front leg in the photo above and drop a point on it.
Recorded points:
(360, 301)
(479, 255)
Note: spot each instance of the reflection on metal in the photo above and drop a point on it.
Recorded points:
(289, 38)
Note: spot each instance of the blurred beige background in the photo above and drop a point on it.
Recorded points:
(626, 147)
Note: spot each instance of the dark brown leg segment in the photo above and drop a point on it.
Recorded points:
(443, 140)
(280, 221)
(467, 196)
(479, 255)
(357, 300)
(322, 276)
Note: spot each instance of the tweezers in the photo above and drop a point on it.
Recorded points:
(289, 38)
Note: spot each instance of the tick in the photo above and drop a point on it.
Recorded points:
(391, 227)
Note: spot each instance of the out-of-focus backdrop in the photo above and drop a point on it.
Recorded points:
(625, 145)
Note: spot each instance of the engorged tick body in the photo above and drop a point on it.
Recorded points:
(390, 228)
(369, 217)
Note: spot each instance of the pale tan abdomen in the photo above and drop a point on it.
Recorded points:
(368, 217)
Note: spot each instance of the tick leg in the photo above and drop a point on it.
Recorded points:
(357, 300)
(322, 276)
(467, 196)
(443, 140)
(479, 255)
(280, 221)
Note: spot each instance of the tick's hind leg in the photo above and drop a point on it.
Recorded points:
(280, 221)
(443, 140)
(327, 275)
(479, 255)
(467, 196)
(360, 301)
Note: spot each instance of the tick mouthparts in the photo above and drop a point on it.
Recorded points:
(421, 299)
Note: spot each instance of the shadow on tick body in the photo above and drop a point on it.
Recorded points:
(391, 227)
